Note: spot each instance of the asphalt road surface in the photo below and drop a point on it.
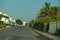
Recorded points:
(17, 33)
(20, 33)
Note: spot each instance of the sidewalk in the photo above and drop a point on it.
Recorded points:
(47, 35)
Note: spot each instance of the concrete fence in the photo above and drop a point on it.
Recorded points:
(54, 26)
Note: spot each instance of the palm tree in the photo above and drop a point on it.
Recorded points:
(44, 14)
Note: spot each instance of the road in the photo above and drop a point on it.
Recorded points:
(17, 33)
(20, 33)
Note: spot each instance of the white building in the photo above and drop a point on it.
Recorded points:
(24, 23)
(6, 20)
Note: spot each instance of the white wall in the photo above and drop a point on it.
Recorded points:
(24, 23)
(58, 24)
(52, 27)
(5, 20)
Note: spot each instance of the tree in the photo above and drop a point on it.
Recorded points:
(43, 16)
(18, 21)
(48, 14)
(2, 24)
(31, 23)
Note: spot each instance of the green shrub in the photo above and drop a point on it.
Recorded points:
(2, 24)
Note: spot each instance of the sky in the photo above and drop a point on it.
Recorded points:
(25, 10)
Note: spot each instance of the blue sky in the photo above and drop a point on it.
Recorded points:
(25, 10)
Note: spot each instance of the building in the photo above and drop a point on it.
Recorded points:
(24, 23)
(5, 18)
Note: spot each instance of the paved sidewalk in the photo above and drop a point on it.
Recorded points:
(47, 35)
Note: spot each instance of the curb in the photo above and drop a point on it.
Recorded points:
(49, 36)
